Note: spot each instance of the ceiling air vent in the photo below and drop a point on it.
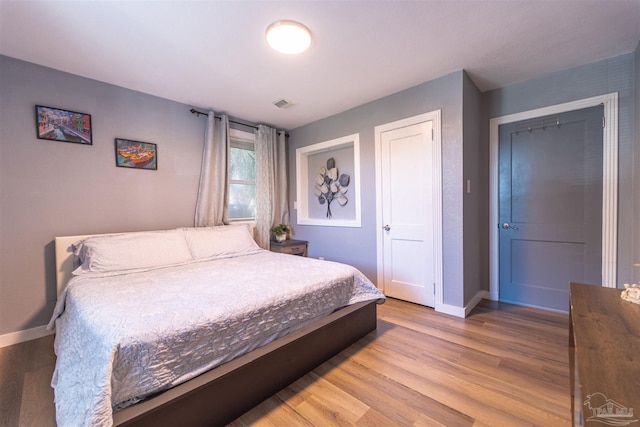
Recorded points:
(282, 103)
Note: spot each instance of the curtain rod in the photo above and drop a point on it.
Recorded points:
(200, 113)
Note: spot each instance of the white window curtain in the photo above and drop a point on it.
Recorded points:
(212, 204)
(272, 207)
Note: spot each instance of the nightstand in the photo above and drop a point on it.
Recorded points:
(293, 247)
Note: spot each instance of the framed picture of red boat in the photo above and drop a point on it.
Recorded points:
(136, 154)
(62, 125)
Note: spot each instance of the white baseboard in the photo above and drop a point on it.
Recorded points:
(25, 335)
(450, 309)
(462, 311)
(475, 300)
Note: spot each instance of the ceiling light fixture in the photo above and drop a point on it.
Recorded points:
(288, 37)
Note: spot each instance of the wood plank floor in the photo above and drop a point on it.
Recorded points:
(502, 366)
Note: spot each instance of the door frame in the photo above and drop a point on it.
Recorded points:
(609, 183)
(434, 116)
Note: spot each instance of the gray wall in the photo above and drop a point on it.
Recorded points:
(465, 118)
(50, 188)
(476, 203)
(598, 78)
(357, 246)
(636, 170)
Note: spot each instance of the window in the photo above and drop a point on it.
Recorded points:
(242, 176)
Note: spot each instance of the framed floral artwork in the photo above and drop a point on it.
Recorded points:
(328, 183)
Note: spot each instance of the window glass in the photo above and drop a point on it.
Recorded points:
(242, 175)
(242, 164)
(242, 201)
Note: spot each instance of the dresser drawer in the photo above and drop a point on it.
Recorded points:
(292, 247)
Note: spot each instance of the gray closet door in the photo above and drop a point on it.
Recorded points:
(550, 207)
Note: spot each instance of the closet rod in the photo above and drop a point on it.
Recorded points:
(537, 124)
(200, 113)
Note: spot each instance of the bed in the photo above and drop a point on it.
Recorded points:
(193, 326)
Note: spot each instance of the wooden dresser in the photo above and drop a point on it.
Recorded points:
(604, 357)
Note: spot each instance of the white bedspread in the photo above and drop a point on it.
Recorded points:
(125, 336)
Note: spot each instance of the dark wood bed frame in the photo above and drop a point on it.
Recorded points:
(221, 395)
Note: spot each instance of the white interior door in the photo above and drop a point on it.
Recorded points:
(407, 165)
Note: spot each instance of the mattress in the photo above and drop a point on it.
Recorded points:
(121, 337)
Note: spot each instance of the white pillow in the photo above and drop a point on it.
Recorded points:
(131, 251)
(220, 242)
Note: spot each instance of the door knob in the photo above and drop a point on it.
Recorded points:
(386, 228)
(506, 226)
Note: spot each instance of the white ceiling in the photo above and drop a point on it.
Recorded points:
(212, 54)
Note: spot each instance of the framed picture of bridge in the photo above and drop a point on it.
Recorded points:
(136, 154)
(63, 125)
